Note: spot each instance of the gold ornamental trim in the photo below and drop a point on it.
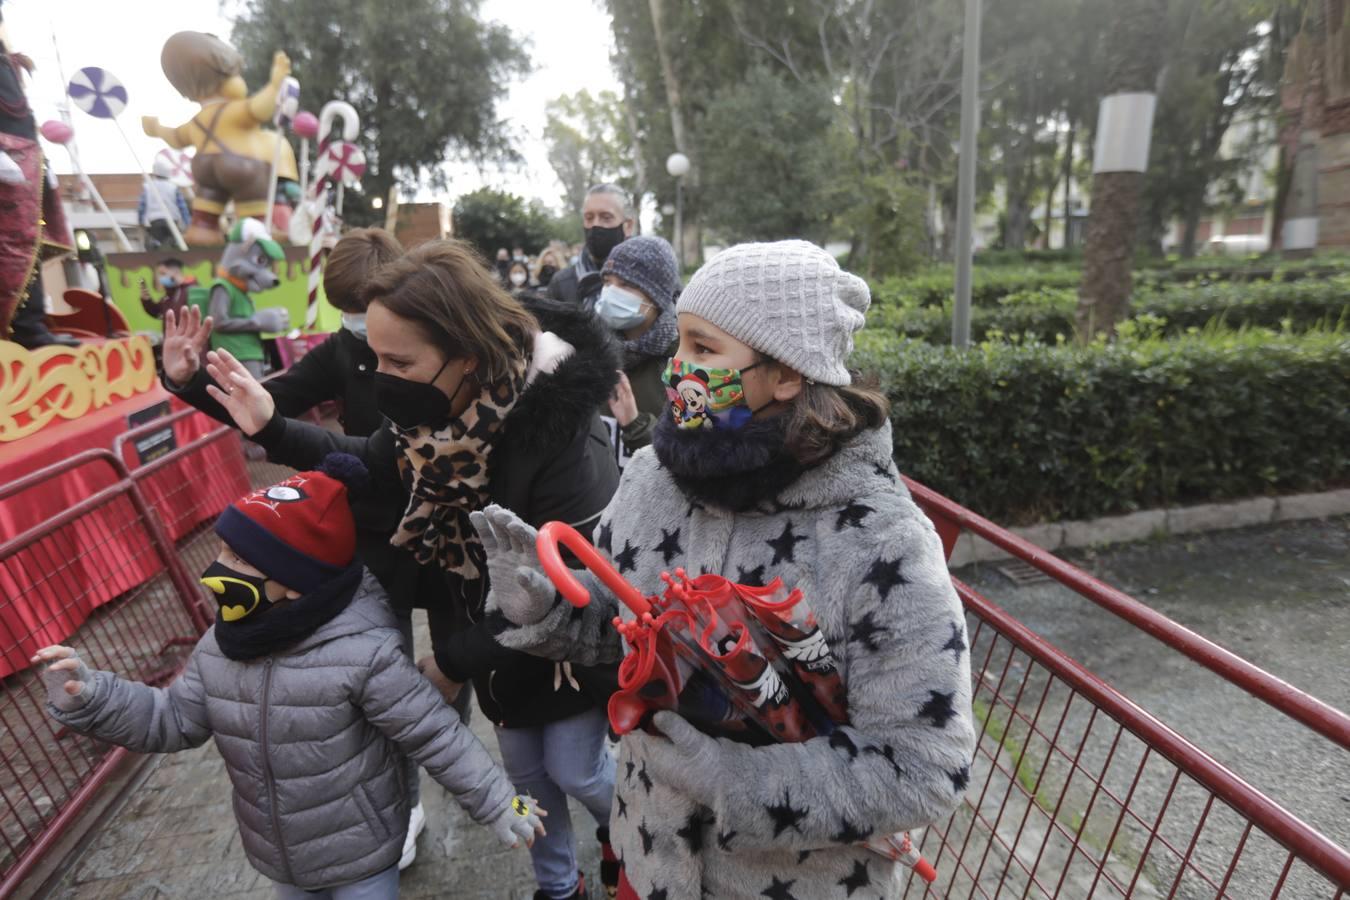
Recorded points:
(39, 387)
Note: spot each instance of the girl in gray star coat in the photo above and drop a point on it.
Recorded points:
(771, 464)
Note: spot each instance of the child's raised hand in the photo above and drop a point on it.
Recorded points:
(66, 676)
(520, 821)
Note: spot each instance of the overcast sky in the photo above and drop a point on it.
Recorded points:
(570, 42)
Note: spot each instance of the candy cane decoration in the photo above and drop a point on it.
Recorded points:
(326, 225)
(344, 163)
(339, 162)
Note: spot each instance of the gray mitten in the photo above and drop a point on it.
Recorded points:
(274, 318)
(522, 593)
(56, 679)
(519, 823)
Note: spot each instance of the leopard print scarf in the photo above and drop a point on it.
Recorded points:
(445, 470)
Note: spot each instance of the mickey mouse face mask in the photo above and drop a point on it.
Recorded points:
(238, 593)
(707, 398)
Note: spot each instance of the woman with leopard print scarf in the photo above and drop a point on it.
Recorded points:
(488, 399)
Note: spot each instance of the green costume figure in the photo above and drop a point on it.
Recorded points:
(247, 266)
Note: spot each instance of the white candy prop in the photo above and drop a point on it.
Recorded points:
(59, 132)
(340, 162)
(98, 92)
(288, 104)
(179, 164)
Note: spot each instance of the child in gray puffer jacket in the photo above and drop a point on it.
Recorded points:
(770, 464)
(311, 701)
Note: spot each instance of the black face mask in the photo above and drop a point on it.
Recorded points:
(411, 403)
(237, 593)
(601, 241)
(546, 274)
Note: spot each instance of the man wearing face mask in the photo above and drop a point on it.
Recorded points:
(170, 279)
(637, 301)
(609, 219)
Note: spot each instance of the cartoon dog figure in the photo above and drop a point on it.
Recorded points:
(246, 267)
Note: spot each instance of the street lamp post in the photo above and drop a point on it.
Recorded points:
(677, 164)
(965, 191)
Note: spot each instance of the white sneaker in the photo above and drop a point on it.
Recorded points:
(417, 821)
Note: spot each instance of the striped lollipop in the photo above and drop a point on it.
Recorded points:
(177, 165)
(97, 92)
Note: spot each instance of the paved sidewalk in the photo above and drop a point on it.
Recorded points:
(176, 838)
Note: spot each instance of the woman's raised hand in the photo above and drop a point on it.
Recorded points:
(185, 337)
(239, 392)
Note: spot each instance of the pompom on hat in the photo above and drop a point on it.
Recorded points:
(298, 532)
(788, 299)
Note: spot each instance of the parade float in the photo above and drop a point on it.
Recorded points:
(234, 161)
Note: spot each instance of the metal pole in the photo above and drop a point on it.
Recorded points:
(965, 192)
(679, 222)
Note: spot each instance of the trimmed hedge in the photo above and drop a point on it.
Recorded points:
(1048, 315)
(1025, 433)
(992, 285)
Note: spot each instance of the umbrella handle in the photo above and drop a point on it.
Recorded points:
(554, 534)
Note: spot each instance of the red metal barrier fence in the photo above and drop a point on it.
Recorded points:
(1075, 791)
(109, 573)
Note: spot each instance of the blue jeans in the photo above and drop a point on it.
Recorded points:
(551, 763)
(380, 886)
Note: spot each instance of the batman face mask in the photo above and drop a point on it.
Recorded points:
(239, 594)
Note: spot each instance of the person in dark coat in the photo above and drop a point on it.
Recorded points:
(609, 218)
(487, 402)
(642, 280)
(341, 369)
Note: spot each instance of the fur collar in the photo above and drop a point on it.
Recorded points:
(736, 470)
(745, 472)
(557, 403)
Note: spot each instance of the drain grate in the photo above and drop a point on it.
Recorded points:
(1022, 573)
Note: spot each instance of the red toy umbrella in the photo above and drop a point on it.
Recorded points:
(748, 663)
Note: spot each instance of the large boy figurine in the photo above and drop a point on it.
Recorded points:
(311, 701)
(234, 156)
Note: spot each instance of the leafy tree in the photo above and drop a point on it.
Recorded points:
(1214, 78)
(772, 160)
(491, 219)
(672, 72)
(425, 76)
(589, 141)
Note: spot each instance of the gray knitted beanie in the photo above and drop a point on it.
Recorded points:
(648, 264)
(789, 300)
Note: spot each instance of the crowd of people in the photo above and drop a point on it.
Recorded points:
(714, 427)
